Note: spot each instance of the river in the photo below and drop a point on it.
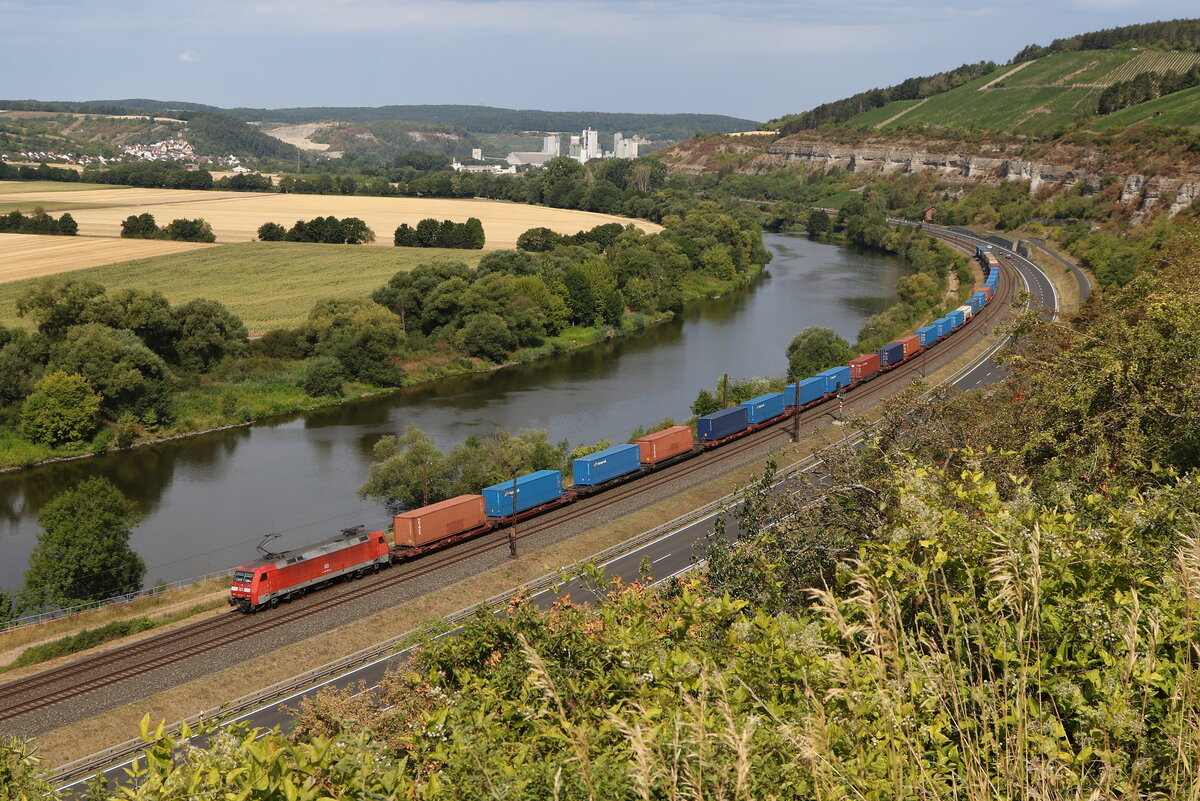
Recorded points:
(209, 499)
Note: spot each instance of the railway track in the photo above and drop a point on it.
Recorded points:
(81, 678)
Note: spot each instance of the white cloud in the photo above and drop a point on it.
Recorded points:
(189, 56)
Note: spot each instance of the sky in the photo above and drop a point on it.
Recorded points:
(756, 59)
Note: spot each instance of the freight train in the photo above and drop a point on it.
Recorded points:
(354, 553)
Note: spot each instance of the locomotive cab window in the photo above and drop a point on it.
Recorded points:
(242, 577)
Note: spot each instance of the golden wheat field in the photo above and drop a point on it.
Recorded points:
(236, 216)
(33, 255)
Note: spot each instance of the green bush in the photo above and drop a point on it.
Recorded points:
(88, 638)
(324, 376)
(61, 408)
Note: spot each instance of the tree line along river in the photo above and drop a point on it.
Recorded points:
(209, 499)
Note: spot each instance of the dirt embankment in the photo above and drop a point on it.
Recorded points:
(298, 136)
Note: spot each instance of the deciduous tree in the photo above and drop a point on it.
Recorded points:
(61, 408)
(127, 374)
(208, 332)
(83, 552)
(271, 232)
(815, 349)
(409, 472)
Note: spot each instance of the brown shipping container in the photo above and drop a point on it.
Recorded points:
(912, 344)
(664, 444)
(438, 521)
(863, 366)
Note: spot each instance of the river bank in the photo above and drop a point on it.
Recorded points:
(224, 400)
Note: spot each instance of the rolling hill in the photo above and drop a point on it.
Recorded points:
(373, 133)
(477, 119)
(1072, 83)
(1043, 95)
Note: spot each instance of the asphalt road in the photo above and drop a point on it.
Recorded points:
(1085, 286)
(667, 556)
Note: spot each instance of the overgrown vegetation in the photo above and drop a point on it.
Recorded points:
(83, 641)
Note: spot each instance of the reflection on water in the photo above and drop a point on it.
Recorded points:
(209, 499)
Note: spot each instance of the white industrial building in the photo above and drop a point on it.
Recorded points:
(590, 146)
(582, 148)
(523, 159)
(458, 166)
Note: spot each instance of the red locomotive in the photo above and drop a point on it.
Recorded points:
(283, 576)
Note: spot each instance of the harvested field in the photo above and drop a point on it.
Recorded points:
(236, 216)
(34, 255)
(267, 284)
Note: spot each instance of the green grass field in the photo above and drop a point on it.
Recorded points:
(267, 284)
(21, 187)
(5, 208)
(1180, 108)
(30, 205)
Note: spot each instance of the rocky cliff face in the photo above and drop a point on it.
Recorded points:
(1143, 192)
(1059, 168)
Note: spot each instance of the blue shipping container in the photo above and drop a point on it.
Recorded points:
(533, 489)
(838, 378)
(610, 463)
(928, 335)
(719, 425)
(764, 407)
(977, 301)
(890, 354)
(957, 318)
(811, 389)
(943, 326)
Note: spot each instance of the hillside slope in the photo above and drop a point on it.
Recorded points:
(1040, 96)
(1043, 89)
(82, 128)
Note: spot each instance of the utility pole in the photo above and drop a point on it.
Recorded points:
(796, 416)
(425, 482)
(725, 391)
(512, 529)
